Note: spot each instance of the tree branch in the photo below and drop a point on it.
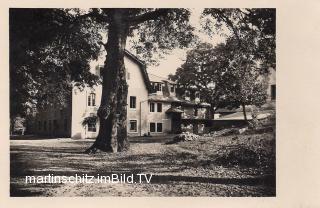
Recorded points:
(148, 16)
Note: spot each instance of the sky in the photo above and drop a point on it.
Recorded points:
(170, 63)
(176, 58)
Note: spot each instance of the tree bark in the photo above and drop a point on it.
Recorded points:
(112, 113)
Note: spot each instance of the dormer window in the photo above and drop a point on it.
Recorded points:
(157, 86)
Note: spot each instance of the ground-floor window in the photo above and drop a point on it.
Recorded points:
(92, 127)
(273, 92)
(159, 127)
(155, 127)
(133, 126)
(50, 125)
(65, 125)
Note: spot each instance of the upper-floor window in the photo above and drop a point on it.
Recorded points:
(152, 107)
(157, 86)
(133, 102)
(159, 107)
(92, 99)
(172, 88)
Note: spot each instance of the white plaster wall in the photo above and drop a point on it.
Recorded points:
(159, 117)
(271, 81)
(137, 88)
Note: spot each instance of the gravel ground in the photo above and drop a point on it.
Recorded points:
(182, 169)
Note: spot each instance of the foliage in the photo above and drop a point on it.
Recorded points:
(93, 119)
(230, 74)
(49, 48)
(256, 25)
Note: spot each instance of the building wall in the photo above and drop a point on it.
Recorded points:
(80, 108)
(52, 121)
(271, 81)
(138, 89)
(157, 117)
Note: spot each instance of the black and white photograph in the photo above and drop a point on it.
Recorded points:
(142, 102)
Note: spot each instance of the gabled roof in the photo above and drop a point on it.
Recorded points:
(142, 67)
(156, 78)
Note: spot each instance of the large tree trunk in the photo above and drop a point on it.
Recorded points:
(112, 113)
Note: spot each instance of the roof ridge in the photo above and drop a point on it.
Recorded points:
(158, 76)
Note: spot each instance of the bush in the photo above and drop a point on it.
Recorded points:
(241, 156)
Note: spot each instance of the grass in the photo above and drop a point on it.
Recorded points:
(183, 169)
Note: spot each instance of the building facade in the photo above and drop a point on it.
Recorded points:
(153, 106)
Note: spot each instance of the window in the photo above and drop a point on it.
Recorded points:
(133, 125)
(45, 125)
(159, 107)
(273, 92)
(159, 127)
(92, 99)
(152, 127)
(133, 101)
(92, 127)
(152, 107)
(172, 88)
(157, 86)
(156, 127)
(39, 125)
(65, 125)
(55, 125)
(50, 125)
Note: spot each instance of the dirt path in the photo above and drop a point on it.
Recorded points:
(178, 170)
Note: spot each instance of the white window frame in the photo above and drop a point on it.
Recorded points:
(133, 131)
(156, 127)
(154, 107)
(90, 98)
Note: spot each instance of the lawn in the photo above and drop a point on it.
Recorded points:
(191, 168)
